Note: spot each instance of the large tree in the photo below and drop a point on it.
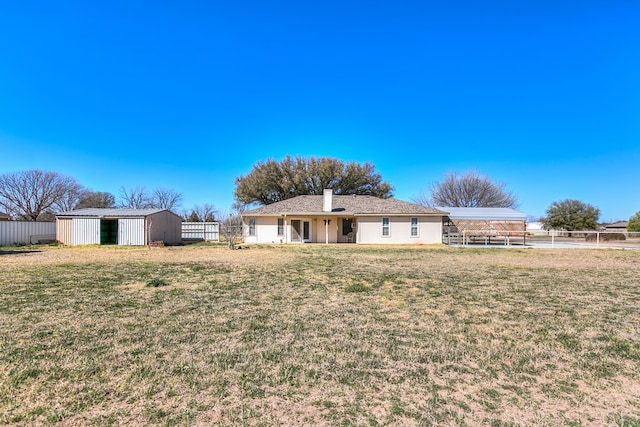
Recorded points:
(468, 190)
(634, 222)
(28, 195)
(571, 215)
(273, 181)
(95, 199)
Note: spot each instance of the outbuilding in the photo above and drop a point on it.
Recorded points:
(136, 227)
(470, 224)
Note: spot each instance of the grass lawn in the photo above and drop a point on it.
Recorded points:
(319, 335)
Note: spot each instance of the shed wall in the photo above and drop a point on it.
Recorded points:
(64, 231)
(165, 226)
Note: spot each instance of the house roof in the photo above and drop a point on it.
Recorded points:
(502, 214)
(619, 224)
(343, 205)
(109, 212)
(4, 215)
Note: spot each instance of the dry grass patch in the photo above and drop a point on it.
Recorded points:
(320, 335)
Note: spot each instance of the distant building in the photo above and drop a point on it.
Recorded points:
(535, 227)
(4, 216)
(617, 226)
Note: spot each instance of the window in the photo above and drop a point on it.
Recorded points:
(347, 226)
(414, 227)
(252, 226)
(280, 226)
(385, 227)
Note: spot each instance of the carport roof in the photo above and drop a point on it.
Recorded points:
(502, 214)
(105, 212)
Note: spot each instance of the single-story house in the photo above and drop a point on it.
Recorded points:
(485, 223)
(620, 226)
(536, 228)
(93, 226)
(329, 218)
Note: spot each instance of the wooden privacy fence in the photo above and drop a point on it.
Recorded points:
(207, 231)
(26, 232)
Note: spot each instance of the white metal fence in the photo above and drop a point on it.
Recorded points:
(26, 232)
(207, 231)
(546, 238)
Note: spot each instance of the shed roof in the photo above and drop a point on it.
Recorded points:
(110, 212)
(343, 205)
(502, 214)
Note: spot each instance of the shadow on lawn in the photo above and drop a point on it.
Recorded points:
(3, 252)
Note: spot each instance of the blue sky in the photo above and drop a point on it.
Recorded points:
(541, 95)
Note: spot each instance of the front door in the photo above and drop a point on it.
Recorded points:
(306, 231)
(300, 231)
(295, 230)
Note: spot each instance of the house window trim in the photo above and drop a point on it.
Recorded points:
(387, 227)
(252, 227)
(280, 227)
(413, 227)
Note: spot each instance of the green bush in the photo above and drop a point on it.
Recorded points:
(634, 222)
(357, 287)
(605, 237)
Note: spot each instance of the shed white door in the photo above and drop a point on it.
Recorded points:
(86, 231)
(131, 231)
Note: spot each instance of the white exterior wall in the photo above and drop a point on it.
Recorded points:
(266, 230)
(26, 232)
(131, 231)
(86, 231)
(319, 232)
(369, 230)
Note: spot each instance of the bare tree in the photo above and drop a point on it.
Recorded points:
(205, 213)
(140, 198)
(95, 199)
(231, 228)
(471, 189)
(165, 198)
(135, 198)
(70, 199)
(29, 194)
